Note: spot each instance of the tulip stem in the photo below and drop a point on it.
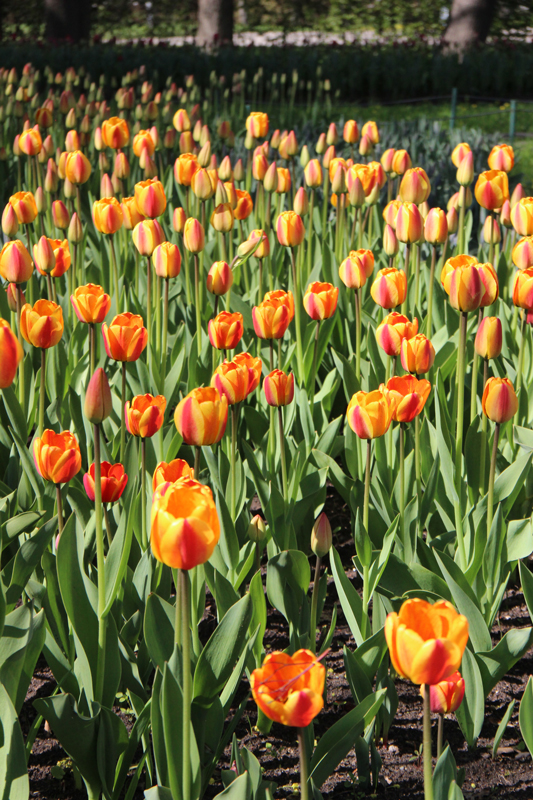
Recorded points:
(188, 293)
(313, 370)
(42, 393)
(430, 292)
(165, 336)
(310, 233)
(440, 735)
(59, 510)
(459, 437)
(325, 204)
(417, 275)
(144, 537)
(115, 270)
(158, 316)
(491, 242)
(406, 269)
(297, 301)
(22, 393)
(233, 498)
(100, 565)
(417, 467)
(92, 347)
(428, 772)
(367, 482)
(197, 301)
(314, 605)
(461, 236)
(521, 351)
(282, 451)
(186, 671)
(304, 769)
(197, 453)
(123, 414)
(475, 369)
(149, 306)
(107, 526)
(360, 229)
(404, 534)
(483, 466)
(357, 337)
(492, 474)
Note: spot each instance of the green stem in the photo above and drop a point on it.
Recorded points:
(440, 735)
(417, 468)
(123, 414)
(92, 347)
(428, 772)
(188, 292)
(282, 451)
(402, 494)
(461, 236)
(22, 393)
(475, 368)
(186, 669)
(459, 437)
(100, 565)
(59, 510)
(42, 392)
(406, 269)
(297, 301)
(149, 306)
(310, 233)
(233, 499)
(492, 474)
(521, 350)
(197, 452)
(365, 619)
(417, 275)
(115, 270)
(325, 203)
(314, 605)
(178, 577)
(107, 526)
(313, 370)
(491, 243)
(144, 535)
(483, 455)
(165, 334)
(357, 337)
(360, 229)
(430, 292)
(367, 482)
(197, 301)
(304, 767)
(158, 316)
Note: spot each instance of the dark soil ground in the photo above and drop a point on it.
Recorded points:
(507, 777)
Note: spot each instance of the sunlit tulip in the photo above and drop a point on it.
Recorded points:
(278, 296)
(409, 395)
(171, 472)
(202, 185)
(226, 330)
(145, 414)
(179, 218)
(435, 227)
(352, 272)
(501, 157)
(290, 229)
(90, 303)
(181, 120)
(401, 162)
(125, 338)
(447, 695)
(390, 242)
(260, 250)
(77, 168)
(232, 381)
(417, 354)
(492, 189)
(107, 215)
(113, 482)
(10, 224)
(390, 212)
(193, 236)
(465, 170)
(42, 324)
(289, 689)
(115, 133)
(370, 129)
(257, 124)
(150, 198)
(522, 216)
(415, 186)
(279, 388)
(499, 400)
(350, 132)
(387, 159)
(223, 218)
(147, 235)
(259, 166)
(130, 213)
(271, 318)
(16, 265)
(452, 220)
(254, 367)
(143, 141)
(426, 642)
(320, 300)
(487, 273)
(284, 180)
(166, 259)
(11, 354)
(393, 330)
(488, 342)
(369, 414)
(462, 282)
(30, 142)
(389, 288)
(201, 417)
(522, 254)
(219, 278)
(57, 456)
(184, 168)
(24, 207)
(409, 223)
(98, 403)
(523, 289)
(459, 152)
(257, 529)
(517, 194)
(61, 258)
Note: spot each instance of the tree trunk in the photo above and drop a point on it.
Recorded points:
(469, 24)
(66, 19)
(215, 22)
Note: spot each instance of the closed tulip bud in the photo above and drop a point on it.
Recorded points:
(77, 168)
(116, 183)
(517, 195)
(219, 278)
(387, 159)
(417, 354)
(304, 156)
(409, 223)
(10, 223)
(186, 143)
(201, 185)
(462, 283)
(98, 139)
(44, 117)
(122, 166)
(499, 400)
(365, 145)
(313, 174)
(201, 417)
(390, 242)
(332, 136)
(169, 139)
(193, 236)
(389, 288)
(16, 265)
(179, 218)
(51, 179)
(42, 324)
(492, 189)
(501, 157)
(221, 195)
(257, 529)
(393, 330)
(30, 142)
(356, 192)
(415, 186)
(320, 300)
(16, 148)
(465, 170)
(70, 119)
(12, 352)
(24, 207)
(125, 338)
(12, 290)
(370, 129)
(143, 140)
(72, 142)
(390, 212)
(223, 129)
(231, 193)
(452, 219)
(270, 179)
(338, 182)
(409, 395)
(147, 235)
(301, 202)
(491, 231)
(222, 218)
(401, 162)
(489, 279)
(488, 343)
(334, 164)
(150, 198)
(57, 456)
(226, 330)
(257, 124)
(41, 200)
(103, 162)
(181, 120)
(522, 216)
(522, 254)
(145, 415)
(43, 256)
(321, 536)
(98, 401)
(205, 136)
(60, 215)
(505, 215)
(459, 153)
(166, 259)
(106, 187)
(289, 145)
(350, 132)
(290, 229)
(352, 272)
(522, 289)
(369, 414)
(225, 172)
(107, 215)
(435, 227)
(259, 166)
(447, 695)
(184, 168)
(90, 303)
(238, 171)
(328, 157)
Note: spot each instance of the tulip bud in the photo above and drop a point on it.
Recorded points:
(223, 218)
(401, 162)
(219, 278)
(238, 171)
(356, 193)
(452, 219)
(387, 159)
(390, 242)
(179, 219)
(10, 223)
(122, 166)
(332, 137)
(60, 215)
(499, 400)
(505, 215)
(257, 529)
(522, 254)
(98, 402)
(488, 343)
(204, 156)
(465, 170)
(415, 186)
(409, 224)
(75, 229)
(271, 180)
(435, 227)
(517, 195)
(338, 184)
(193, 236)
(290, 229)
(321, 536)
(329, 155)
(491, 231)
(417, 354)
(301, 202)
(12, 290)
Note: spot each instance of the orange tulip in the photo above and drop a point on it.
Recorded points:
(447, 695)
(257, 124)
(113, 482)
(289, 689)
(279, 388)
(57, 455)
(522, 216)
(179, 218)
(219, 278)
(24, 207)
(42, 325)
(501, 157)
(201, 417)
(499, 400)
(393, 330)
(415, 186)
(389, 288)
(233, 381)
(290, 229)
(409, 223)
(370, 414)
(125, 338)
(459, 152)
(90, 303)
(223, 218)
(320, 300)
(150, 198)
(52, 256)
(387, 159)
(417, 354)
(107, 215)
(278, 295)
(30, 142)
(409, 396)
(166, 259)
(77, 168)
(245, 204)
(185, 527)
(436, 226)
(181, 120)
(226, 330)
(12, 354)
(488, 343)
(522, 254)
(401, 162)
(171, 472)
(147, 235)
(193, 236)
(145, 414)
(115, 133)
(489, 279)
(261, 251)
(254, 367)
(352, 272)
(523, 289)
(390, 212)
(143, 141)
(492, 189)
(202, 185)
(462, 282)
(350, 132)
(426, 642)
(313, 174)
(184, 168)
(16, 265)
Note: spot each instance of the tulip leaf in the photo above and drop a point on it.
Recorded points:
(15, 413)
(350, 600)
(158, 793)
(27, 558)
(502, 727)
(339, 479)
(525, 715)
(238, 789)
(159, 629)
(495, 663)
(523, 437)
(338, 740)
(28, 464)
(470, 713)
(118, 555)
(445, 776)
(519, 539)
(111, 744)
(526, 579)
(13, 769)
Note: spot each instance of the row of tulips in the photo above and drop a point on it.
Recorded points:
(427, 519)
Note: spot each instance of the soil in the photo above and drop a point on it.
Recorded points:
(509, 776)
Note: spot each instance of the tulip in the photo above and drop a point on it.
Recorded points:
(436, 227)
(184, 168)
(517, 195)
(452, 220)
(185, 526)
(24, 207)
(290, 229)
(225, 172)
(522, 216)
(370, 129)
(313, 174)
(232, 381)
(143, 141)
(393, 330)
(417, 354)
(390, 212)
(42, 324)
(320, 300)
(370, 414)
(390, 242)
(459, 152)
(98, 402)
(352, 272)
(415, 186)
(30, 142)
(257, 531)
(289, 689)
(10, 223)
(145, 415)
(107, 215)
(181, 120)
(16, 265)
(226, 330)
(409, 396)
(465, 171)
(389, 288)
(261, 250)
(150, 198)
(166, 259)
(222, 218)
(522, 254)
(122, 166)
(201, 185)
(489, 279)
(52, 256)
(401, 162)
(387, 159)
(350, 132)
(179, 218)
(113, 481)
(147, 235)
(279, 388)
(501, 157)
(57, 455)
(505, 215)
(259, 166)
(77, 168)
(254, 367)
(72, 141)
(321, 536)
(409, 223)
(201, 417)
(488, 343)
(130, 213)
(193, 236)
(257, 124)
(171, 472)
(90, 303)
(125, 338)
(492, 189)
(219, 278)
(462, 283)
(499, 402)
(426, 642)
(447, 695)
(12, 354)
(115, 133)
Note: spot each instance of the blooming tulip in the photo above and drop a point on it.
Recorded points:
(492, 189)
(107, 215)
(11, 354)
(417, 354)
(393, 330)
(171, 472)
(409, 396)
(201, 417)
(16, 265)
(501, 157)
(257, 124)
(90, 303)
(113, 481)
(145, 414)
(226, 330)
(279, 388)
(115, 133)
(233, 381)
(254, 367)
(289, 689)
(290, 229)
(42, 324)
(30, 142)
(52, 256)
(389, 288)
(125, 338)
(57, 456)
(499, 400)
(320, 300)
(369, 414)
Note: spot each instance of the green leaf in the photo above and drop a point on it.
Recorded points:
(502, 727)
(27, 558)
(20, 647)
(526, 579)
(28, 464)
(159, 629)
(111, 744)
(15, 413)
(495, 663)
(519, 539)
(288, 577)
(525, 715)
(470, 713)
(118, 555)
(445, 776)
(351, 603)
(13, 770)
(239, 789)
(171, 709)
